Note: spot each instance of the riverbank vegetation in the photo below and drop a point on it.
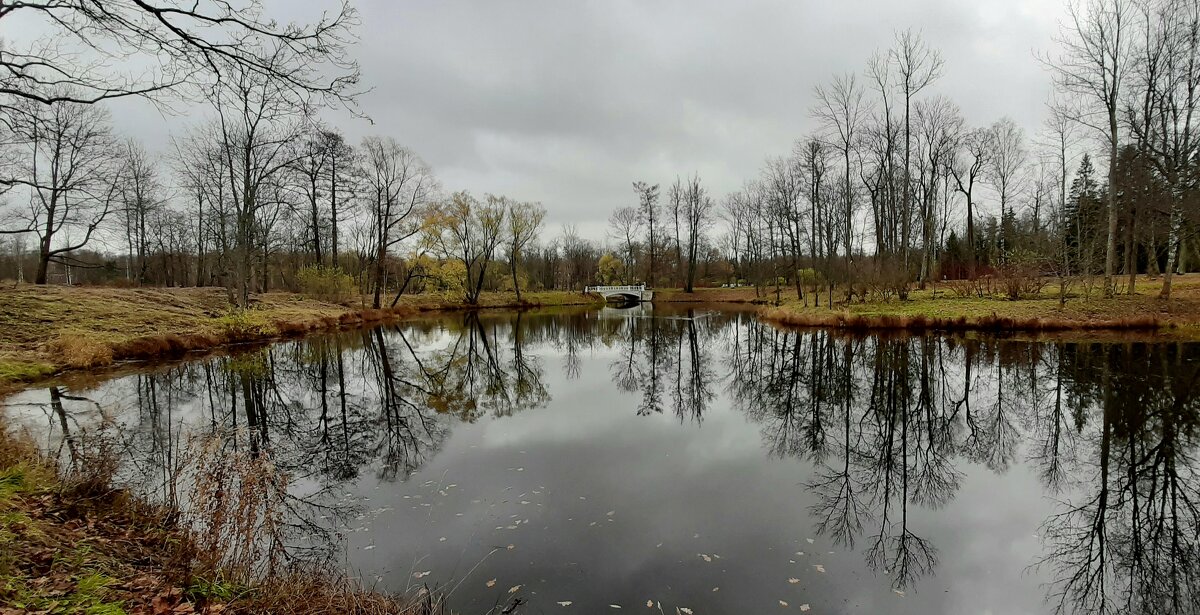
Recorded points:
(949, 307)
(72, 542)
(50, 328)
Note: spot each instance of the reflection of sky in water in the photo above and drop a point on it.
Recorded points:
(709, 508)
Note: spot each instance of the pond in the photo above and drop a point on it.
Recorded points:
(581, 461)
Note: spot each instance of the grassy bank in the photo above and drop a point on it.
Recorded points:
(72, 543)
(938, 308)
(45, 330)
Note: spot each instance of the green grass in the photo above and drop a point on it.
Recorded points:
(21, 371)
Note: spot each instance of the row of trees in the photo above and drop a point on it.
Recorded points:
(896, 187)
(893, 187)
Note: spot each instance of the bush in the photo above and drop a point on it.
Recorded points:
(326, 283)
(1021, 277)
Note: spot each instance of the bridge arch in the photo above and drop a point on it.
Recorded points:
(633, 293)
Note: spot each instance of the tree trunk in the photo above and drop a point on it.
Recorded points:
(1110, 251)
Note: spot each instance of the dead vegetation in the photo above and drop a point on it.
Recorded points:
(71, 542)
(46, 329)
(1002, 305)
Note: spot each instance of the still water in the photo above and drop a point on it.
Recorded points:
(698, 459)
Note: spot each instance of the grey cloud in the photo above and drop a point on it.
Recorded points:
(569, 102)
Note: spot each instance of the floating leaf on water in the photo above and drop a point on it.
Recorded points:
(615, 606)
(442, 539)
(511, 547)
(649, 604)
(514, 589)
(658, 545)
(782, 603)
(705, 557)
(897, 592)
(611, 513)
(810, 541)
(716, 589)
(793, 580)
(804, 607)
(819, 567)
(368, 547)
(491, 583)
(565, 603)
(419, 575)
(685, 610)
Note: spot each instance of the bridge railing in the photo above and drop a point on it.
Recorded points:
(615, 289)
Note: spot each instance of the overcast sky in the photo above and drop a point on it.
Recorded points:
(567, 103)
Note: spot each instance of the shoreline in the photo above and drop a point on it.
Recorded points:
(118, 552)
(55, 331)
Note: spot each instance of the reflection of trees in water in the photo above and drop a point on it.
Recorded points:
(1126, 539)
(323, 408)
(668, 360)
(886, 421)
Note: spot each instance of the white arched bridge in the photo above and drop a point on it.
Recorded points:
(625, 293)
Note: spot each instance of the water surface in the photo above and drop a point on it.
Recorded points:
(698, 459)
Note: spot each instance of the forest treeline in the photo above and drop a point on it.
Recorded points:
(892, 189)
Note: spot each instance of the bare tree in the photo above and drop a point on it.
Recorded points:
(1093, 66)
(1161, 110)
(258, 125)
(68, 167)
(524, 223)
(697, 212)
(625, 225)
(97, 50)
(397, 184)
(1006, 162)
(918, 66)
(141, 198)
(649, 211)
(939, 128)
(967, 169)
(842, 110)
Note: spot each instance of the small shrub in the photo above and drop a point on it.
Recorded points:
(1021, 277)
(241, 325)
(326, 283)
(82, 351)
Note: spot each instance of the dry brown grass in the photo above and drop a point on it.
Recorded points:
(72, 542)
(80, 351)
(91, 327)
(941, 309)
